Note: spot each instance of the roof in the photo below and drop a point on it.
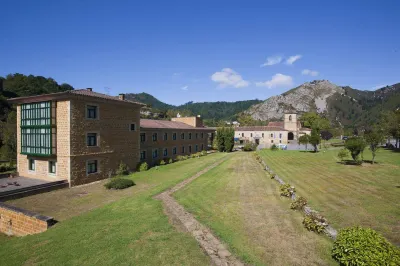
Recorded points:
(67, 94)
(260, 128)
(165, 124)
(276, 124)
(305, 129)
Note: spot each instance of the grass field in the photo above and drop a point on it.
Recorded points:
(133, 230)
(242, 206)
(347, 195)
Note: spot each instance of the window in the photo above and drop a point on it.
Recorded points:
(202, 146)
(143, 155)
(290, 118)
(190, 135)
(202, 135)
(38, 137)
(280, 141)
(31, 163)
(280, 135)
(262, 135)
(182, 135)
(242, 134)
(133, 127)
(142, 137)
(197, 135)
(190, 148)
(272, 141)
(52, 167)
(154, 136)
(165, 152)
(174, 136)
(251, 134)
(91, 167)
(165, 136)
(91, 111)
(183, 149)
(196, 148)
(155, 153)
(174, 151)
(91, 139)
(272, 135)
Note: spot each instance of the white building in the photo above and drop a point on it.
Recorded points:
(287, 131)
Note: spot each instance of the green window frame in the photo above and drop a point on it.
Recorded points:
(92, 167)
(91, 111)
(91, 139)
(32, 165)
(174, 136)
(52, 167)
(142, 137)
(154, 136)
(38, 132)
(165, 152)
(174, 151)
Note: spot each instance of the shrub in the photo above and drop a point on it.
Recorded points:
(364, 246)
(250, 147)
(204, 153)
(143, 167)
(356, 146)
(286, 190)
(299, 203)
(119, 183)
(315, 222)
(162, 162)
(123, 169)
(180, 158)
(343, 153)
(170, 161)
(274, 148)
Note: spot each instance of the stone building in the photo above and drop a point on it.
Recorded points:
(82, 136)
(162, 140)
(283, 132)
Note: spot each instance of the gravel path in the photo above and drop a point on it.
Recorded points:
(185, 221)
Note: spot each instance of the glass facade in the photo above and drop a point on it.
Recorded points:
(37, 131)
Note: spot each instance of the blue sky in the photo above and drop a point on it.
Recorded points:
(183, 51)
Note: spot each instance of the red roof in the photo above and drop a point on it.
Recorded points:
(260, 128)
(165, 124)
(67, 94)
(276, 124)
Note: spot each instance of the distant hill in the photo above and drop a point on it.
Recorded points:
(343, 105)
(208, 110)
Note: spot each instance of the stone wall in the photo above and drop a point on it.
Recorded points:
(116, 142)
(149, 145)
(19, 222)
(267, 139)
(193, 121)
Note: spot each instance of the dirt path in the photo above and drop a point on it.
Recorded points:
(185, 221)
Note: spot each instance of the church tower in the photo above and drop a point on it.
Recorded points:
(290, 122)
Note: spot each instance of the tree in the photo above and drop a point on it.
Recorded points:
(374, 138)
(326, 135)
(304, 139)
(315, 121)
(315, 139)
(221, 139)
(229, 141)
(8, 131)
(390, 123)
(343, 153)
(356, 146)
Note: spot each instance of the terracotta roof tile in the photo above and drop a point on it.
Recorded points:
(276, 124)
(165, 124)
(260, 128)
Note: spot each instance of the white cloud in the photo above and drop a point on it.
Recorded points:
(293, 59)
(185, 88)
(272, 60)
(309, 72)
(227, 77)
(277, 80)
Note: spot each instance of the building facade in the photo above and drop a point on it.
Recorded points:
(283, 132)
(163, 140)
(82, 136)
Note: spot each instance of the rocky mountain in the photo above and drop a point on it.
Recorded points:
(343, 105)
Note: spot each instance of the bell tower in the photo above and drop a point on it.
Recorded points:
(290, 122)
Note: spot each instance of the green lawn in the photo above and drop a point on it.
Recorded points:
(130, 231)
(242, 206)
(347, 195)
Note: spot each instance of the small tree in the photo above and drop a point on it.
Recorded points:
(315, 139)
(304, 139)
(356, 146)
(229, 141)
(221, 139)
(373, 138)
(343, 153)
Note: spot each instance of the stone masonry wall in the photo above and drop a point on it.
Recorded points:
(193, 121)
(149, 145)
(19, 222)
(116, 143)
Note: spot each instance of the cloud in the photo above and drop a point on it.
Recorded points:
(177, 74)
(309, 72)
(227, 77)
(277, 81)
(293, 59)
(272, 60)
(185, 88)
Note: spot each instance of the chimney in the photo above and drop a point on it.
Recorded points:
(121, 96)
(89, 89)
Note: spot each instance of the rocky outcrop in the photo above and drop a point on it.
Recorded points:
(310, 96)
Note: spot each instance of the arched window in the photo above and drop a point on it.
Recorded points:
(290, 117)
